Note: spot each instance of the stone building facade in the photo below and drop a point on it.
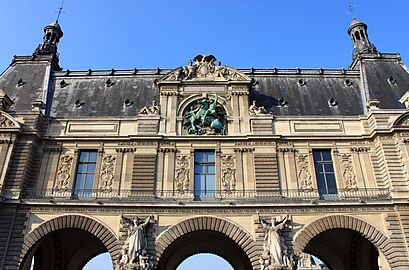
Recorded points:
(254, 165)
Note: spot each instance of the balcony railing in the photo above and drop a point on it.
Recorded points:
(113, 195)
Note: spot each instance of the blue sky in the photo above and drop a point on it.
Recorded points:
(149, 34)
(125, 34)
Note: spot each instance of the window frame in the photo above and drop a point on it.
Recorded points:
(325, 174)
(81, 192)
(206, 193)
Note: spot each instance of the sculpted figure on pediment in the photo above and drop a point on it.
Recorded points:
(205, 67)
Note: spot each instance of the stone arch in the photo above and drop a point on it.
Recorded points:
(402, 120)
(8, 122)
(208, 223)
(104, 234)
(222, 101)
(371, 233)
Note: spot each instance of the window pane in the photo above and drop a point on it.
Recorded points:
(93, 156)
(210, 182)
(319, 168)
(316, 155)
(328, 168)
(81, 168)
(80, 181)
(210, 169)
(326, 154)
(199, 169)
(332, 186)
(89, 182)
(321, 182)
(210, 156)
(198, 183)
(84, 156)
(199, 157)
(91, 167)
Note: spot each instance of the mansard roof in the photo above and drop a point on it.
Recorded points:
(283, 92)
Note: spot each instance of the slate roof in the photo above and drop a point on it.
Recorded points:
(303, 92)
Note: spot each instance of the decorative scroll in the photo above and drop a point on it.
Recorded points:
(275, 253)
(348, 174)
(205, 116)
(63, 172)
(182, 173)
(134, 255)
(304, 175)
(228, 173)
(106, 176)
(205, 67)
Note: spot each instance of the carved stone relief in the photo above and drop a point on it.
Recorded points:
(151, 110)
(182, 173)
(205, 67)
(348, 174)
(255, 110)
(63, 172)
(404, 122)
(106, 176)
(303, 172)
(228, 173)
(134, 255)
(6, 122)
(205, 116)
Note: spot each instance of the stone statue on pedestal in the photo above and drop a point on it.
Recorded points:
(275, 252)
(134, 255)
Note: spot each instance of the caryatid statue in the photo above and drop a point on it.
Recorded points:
(134, 248)
(274, 245)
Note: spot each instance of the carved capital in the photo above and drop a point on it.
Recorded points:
(244, 149)
(285, 149)
(239, 93)
(169, 93)
(359, 149)
(167, 149)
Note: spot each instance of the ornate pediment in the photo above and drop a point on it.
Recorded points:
(402, 121)
(6, 121)
(205, 68)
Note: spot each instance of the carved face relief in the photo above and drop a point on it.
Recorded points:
(205, 116)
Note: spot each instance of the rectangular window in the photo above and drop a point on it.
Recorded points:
(205, 178)
(324, 170)
(84, 180)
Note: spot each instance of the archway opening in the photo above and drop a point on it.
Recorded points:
(204, 261)
(204, 241)
(344, 249)
(101, 262)
(63, 249)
